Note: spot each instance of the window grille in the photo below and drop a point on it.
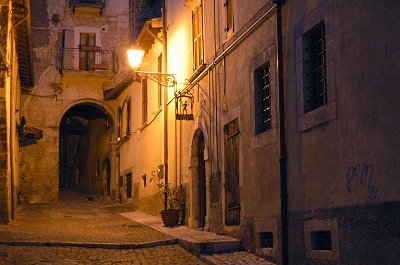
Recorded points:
(314, 68)
(262, 97)
(197, 32)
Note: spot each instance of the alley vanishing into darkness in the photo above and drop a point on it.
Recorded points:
(79, 167)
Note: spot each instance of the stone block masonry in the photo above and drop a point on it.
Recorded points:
(3, 163)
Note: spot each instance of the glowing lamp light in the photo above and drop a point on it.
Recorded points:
(135, 57)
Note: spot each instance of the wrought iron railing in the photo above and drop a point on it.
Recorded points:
(86, 59)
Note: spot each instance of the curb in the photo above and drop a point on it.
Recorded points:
(172, 241)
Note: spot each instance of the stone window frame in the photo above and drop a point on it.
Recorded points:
(262, 93)
(271, 134)
(328, 224)
(326, 112)
(267, 225)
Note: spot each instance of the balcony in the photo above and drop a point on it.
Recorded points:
(100, 4)
(87, 58)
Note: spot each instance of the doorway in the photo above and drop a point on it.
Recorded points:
(199, 178)
(107, 176)
(232, 191)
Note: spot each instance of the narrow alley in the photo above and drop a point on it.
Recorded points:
(82, 229)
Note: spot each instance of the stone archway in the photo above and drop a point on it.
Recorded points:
(86, 131)
(198, 181)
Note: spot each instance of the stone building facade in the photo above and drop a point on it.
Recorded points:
(16, 77)
(301, 168)
(292, 145)
(78, 50)
(342, 164)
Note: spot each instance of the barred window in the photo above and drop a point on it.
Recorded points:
(262, 97)
(314, 68)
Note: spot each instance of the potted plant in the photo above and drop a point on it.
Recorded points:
(172, 197)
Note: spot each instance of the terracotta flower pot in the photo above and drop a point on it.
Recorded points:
(170, 217)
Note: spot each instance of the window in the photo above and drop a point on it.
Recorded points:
(321, 240)
(266, 240)
(144, 179)
(144, 100)
(262, 97)
(87, 52)
(159, 79)
(314, 68)
(229, 16)
(197, 31)
(119, 122)
(129, 185)
(124, 116)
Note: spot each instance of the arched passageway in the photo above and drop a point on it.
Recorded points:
(85, 144)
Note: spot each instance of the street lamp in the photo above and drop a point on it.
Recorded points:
(135, 57)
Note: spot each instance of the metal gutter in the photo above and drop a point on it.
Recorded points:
(282, 136)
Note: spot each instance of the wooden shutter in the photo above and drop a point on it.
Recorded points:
(229, 15)
(67, 49)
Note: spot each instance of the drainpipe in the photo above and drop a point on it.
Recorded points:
(165, 98)
(282, 136)
(13, 98)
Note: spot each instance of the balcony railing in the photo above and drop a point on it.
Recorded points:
(101, 4)
(86, 58)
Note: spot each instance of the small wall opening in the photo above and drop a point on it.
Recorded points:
(266, 240)
(144, 179)
(321, 240)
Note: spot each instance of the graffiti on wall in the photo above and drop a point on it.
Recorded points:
(359, 178)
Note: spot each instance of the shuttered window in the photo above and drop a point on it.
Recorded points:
(197, 31)
(229, 16)
(144, 100)
(262, 97)
(86, 57)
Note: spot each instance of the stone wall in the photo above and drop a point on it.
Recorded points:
(4, 191)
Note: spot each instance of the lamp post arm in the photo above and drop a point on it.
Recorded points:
(167, 80)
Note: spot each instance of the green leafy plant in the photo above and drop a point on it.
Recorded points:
(172, 197)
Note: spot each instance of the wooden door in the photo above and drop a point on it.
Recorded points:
(232, 192)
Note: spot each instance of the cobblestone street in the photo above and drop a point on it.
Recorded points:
(74, 255)
(75, 221)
